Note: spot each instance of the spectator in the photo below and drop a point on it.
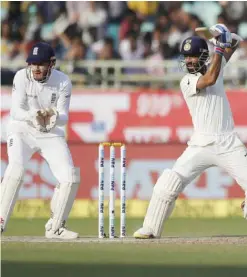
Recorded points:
(173, 40)
(77, 50)
(157, 38)
(11, 42)
(207, 11)
(60, 50)
(130, 22)
(147, 43)
(50, 10)
(194, 22)
(34, 27)
(143, 8)
(8, 49)
(222, 18)
(107, 51)
(154, 63)
(14, 13)
(163, 22)
(131, 48)
(168, 6)
(116, 11)
(180, 19)
(104, 76)
(238, 74)
(92, 21)
(71, 23)
(234, 12)
(74, 8)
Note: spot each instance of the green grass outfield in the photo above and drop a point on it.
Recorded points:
(137, 260)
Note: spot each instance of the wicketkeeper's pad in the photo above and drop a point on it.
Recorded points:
(65, 198)
(10, 187)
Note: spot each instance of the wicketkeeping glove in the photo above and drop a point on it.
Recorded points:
(38, 120)
(51, 118)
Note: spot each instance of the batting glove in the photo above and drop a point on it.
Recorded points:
(222, 36)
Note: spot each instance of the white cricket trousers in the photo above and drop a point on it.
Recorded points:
(228, 153)
(54, 150)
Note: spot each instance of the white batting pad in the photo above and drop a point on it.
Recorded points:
(162, 202)
(10, 186)
(65, 199)
(54, 200)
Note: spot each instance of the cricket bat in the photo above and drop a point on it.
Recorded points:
(204, 33)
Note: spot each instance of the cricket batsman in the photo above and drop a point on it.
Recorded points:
(39, 112)
(214, 141)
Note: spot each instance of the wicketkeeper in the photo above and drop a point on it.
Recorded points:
(39, 113)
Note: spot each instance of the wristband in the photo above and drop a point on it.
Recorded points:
(220, 51)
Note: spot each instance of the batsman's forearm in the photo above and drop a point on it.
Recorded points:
(214, 69)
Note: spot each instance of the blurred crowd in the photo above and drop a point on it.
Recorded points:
(100, 30)
(126, 30)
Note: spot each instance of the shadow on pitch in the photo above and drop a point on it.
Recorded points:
(12, 269)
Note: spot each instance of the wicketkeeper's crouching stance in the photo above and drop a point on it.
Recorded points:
(214, 142)
(39, 112)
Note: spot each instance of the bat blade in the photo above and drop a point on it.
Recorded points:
(203, 32)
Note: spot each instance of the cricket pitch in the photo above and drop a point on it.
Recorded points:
(237, 240)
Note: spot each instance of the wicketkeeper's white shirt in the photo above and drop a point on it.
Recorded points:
(30, 95)
(209, 108)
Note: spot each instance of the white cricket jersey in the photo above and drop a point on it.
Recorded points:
(29, 96)
(209, 108)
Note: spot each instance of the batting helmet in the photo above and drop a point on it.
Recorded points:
(194, 47)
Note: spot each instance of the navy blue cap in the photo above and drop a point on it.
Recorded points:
(194, 46)
(41, 52)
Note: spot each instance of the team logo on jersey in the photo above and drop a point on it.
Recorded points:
(35, 50)
(187, 46)
(53, 98)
